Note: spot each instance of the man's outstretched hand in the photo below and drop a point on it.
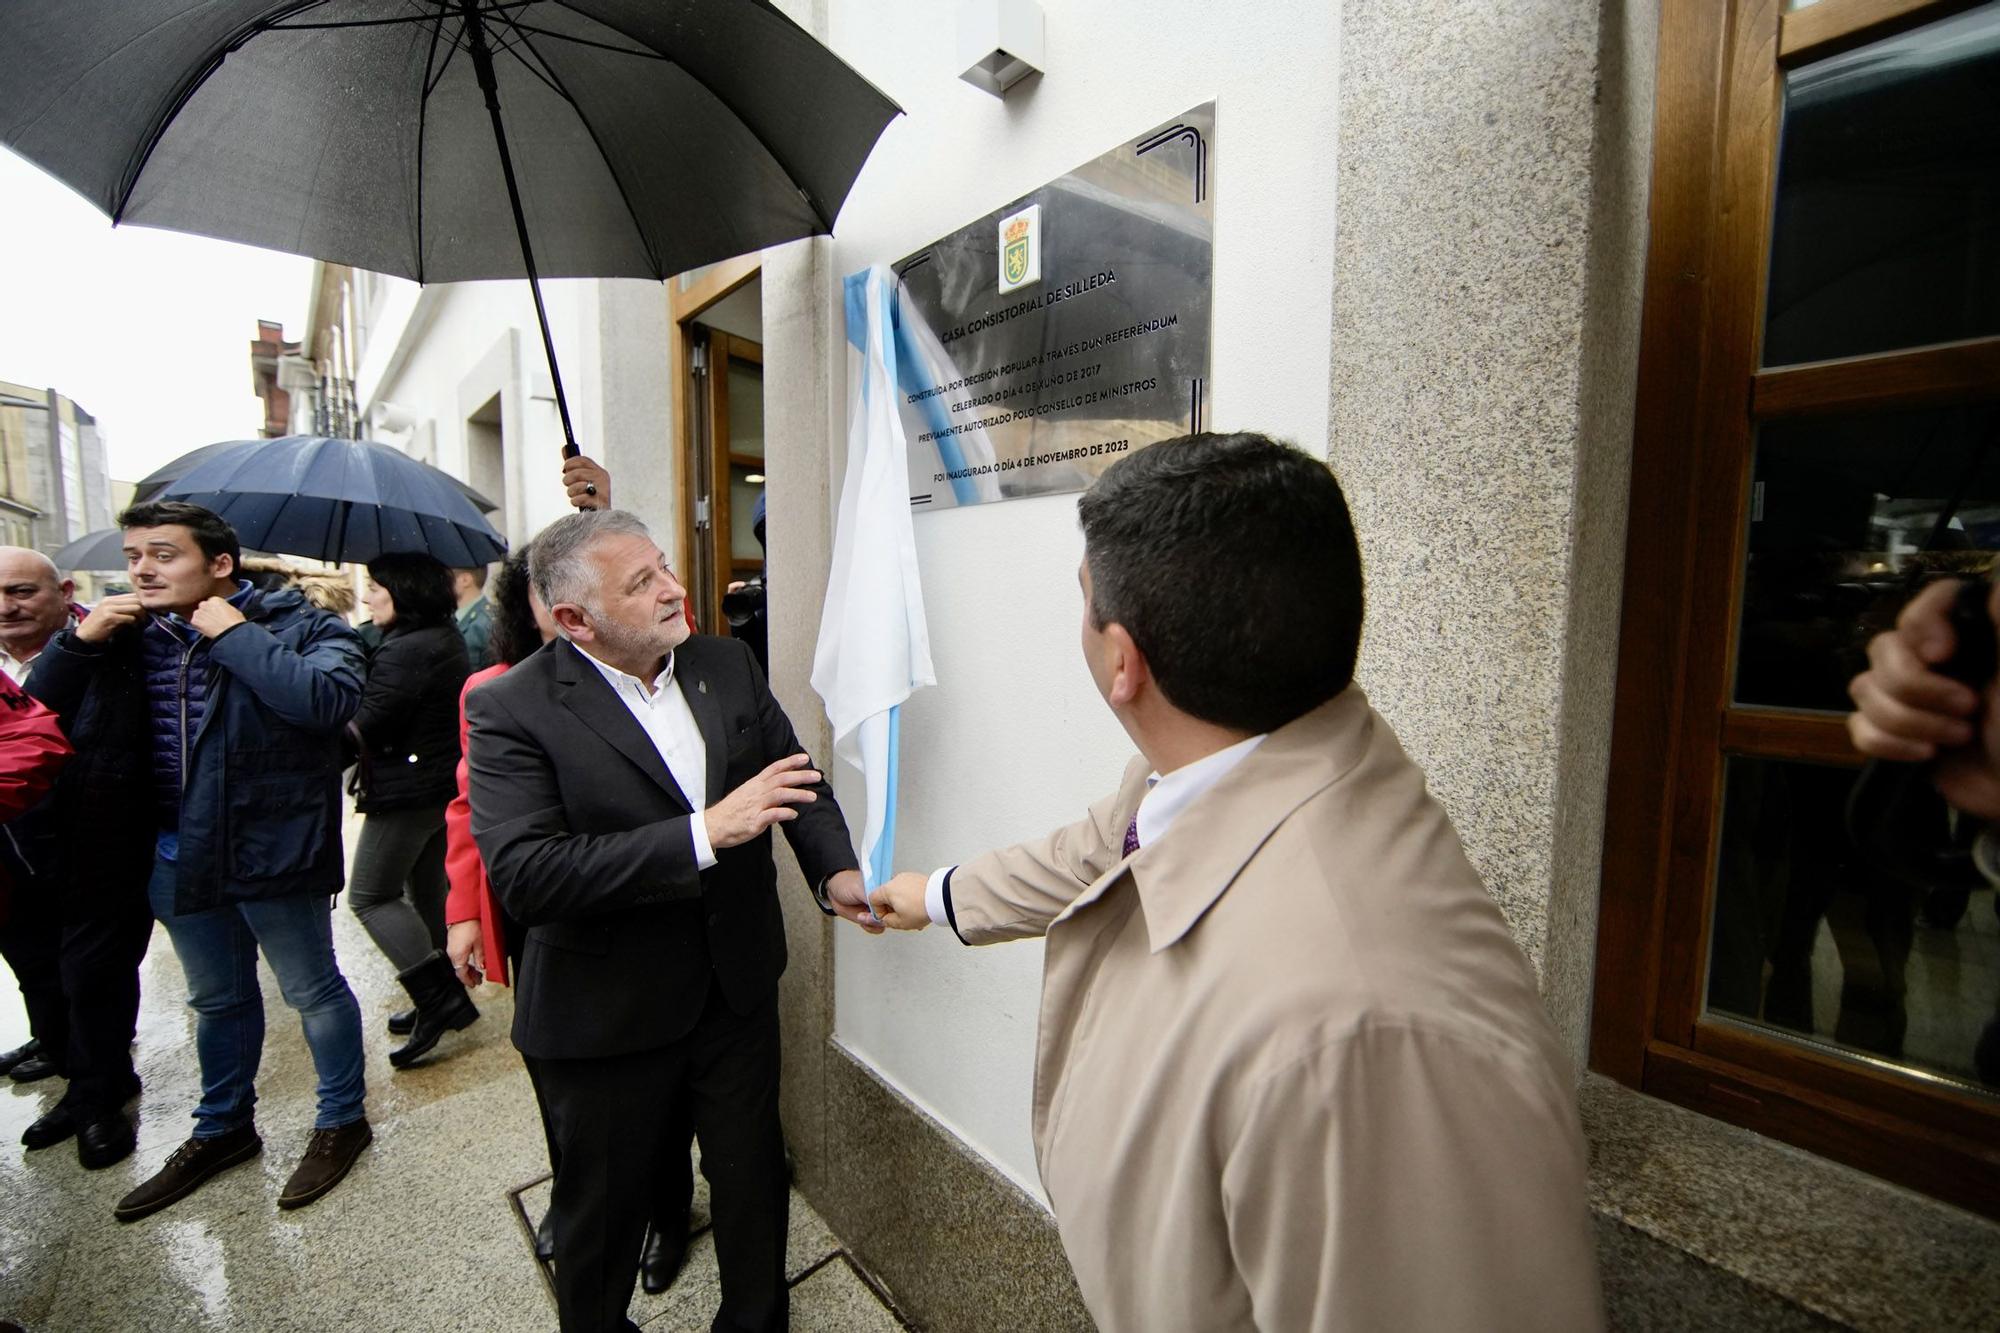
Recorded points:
(900, 902)
(767, 799)
(849, 899)
(1910, 712)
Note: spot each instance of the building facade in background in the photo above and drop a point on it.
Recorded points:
(454, 375)
(55, 483)
(268, 352)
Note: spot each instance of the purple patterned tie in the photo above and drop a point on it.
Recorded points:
(1132, 836)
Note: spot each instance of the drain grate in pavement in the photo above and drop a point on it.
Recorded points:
(887, 1316)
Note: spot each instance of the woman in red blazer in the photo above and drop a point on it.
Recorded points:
(477, 935)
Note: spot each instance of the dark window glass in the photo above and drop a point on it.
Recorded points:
(1849, 516)
(1809, 940)
(1886, 232)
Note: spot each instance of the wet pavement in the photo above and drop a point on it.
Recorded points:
(431, 1230)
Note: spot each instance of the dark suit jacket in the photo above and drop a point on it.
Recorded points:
(586, 839)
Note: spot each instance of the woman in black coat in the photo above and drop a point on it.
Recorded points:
(407, 737)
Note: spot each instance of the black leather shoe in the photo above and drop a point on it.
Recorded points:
(36, 1067)
(402, 1021)
(8, 1059)
(660, 1261)
(545, 1238)
(105, 1140)
(187, 1170)
(50, 1130)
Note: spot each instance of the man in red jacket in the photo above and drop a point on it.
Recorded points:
(34, 604)
(32, 750)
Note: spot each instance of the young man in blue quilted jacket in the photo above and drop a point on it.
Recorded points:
(236, 700)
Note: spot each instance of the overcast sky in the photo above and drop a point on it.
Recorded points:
(147, 330)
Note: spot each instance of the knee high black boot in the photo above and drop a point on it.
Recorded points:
(442, 1006)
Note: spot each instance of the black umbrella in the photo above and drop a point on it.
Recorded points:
(100, 552)
(643, 138)
(155, 482)
(338, 500)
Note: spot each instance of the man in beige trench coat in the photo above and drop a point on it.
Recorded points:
(1293, 1073)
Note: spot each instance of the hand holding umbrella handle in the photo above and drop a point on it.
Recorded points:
(586, 483)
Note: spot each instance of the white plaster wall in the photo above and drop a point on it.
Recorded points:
(1015, 741)
(610, 340)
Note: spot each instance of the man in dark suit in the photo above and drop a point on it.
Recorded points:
(624, 783)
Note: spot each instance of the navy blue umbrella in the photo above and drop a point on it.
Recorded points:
(100, 552)
(338, 500)
(154, 484)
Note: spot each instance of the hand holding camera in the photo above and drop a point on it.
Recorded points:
(1928, 695)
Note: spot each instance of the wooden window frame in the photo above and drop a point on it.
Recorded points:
(1700, 396)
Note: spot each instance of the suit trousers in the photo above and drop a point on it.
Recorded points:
(103, 944)
(31, 943)
(614, 1126)
(673, 1184)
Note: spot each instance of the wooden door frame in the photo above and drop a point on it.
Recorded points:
(684, 307)
(723, 348)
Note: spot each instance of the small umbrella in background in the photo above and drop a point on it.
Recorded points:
(154, 483)
(642, 138)
(100, 552)
(338, 500)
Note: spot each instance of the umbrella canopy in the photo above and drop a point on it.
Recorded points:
(338, 500)
(649, 137)
(100, 552)
(642, 138)
(156, 481)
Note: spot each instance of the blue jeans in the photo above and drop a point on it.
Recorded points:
(218, 953)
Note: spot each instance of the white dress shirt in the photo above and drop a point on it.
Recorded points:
(663, 714)
(1166, 797)
(17, 668)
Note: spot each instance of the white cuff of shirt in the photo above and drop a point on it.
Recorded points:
(934, 906)
(704, 853)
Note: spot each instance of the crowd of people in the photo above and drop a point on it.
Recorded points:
(225, 704)
(564, 787)
(1293, 1072)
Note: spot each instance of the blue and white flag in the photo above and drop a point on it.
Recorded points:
(874, 647)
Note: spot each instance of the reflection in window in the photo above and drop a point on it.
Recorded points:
(1886, 232)
(744, 543)
(746, 408)
(1849, 517)
(1810, 941)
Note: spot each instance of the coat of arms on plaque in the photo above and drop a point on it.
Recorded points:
(1021, 248)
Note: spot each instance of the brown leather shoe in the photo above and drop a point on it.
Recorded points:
(329, 1154)
(187, 1170)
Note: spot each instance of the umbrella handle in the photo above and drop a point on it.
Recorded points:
(482, 65)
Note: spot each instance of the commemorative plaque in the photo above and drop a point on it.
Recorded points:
(1045, 341)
